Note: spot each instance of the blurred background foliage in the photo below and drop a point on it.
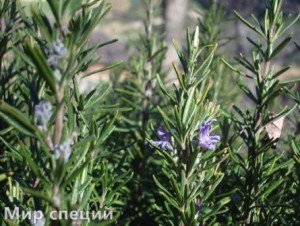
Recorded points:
(124, 21)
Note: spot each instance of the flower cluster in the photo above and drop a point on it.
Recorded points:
(205, 139)
(64, 150)
(57, 52)
(43, 113)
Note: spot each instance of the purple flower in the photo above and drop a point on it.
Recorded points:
(205, 140)
(164, 139)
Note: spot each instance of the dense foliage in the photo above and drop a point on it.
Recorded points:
(215, 144)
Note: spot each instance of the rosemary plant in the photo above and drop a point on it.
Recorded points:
(262, 172)
(52, 139)
(188, 149)
(139, 92)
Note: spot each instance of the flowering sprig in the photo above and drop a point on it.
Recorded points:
(57, 53)
(189, 106)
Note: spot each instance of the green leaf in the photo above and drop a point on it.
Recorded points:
(280, 47)
(164, 192)
(103, 69)
(31, 162)
(106, 131)
(16, 125)
(181, 57)
(248, 24)
(128, 92)
(94, 16)
(189, 106)
(161, 187)
(287, 26)
(43, 23)
(274, 185)
(75, 192)
(54, 6)
(275, 168)
(246, 90)
(39, 195)
(280, 72)
(179, 77)
(164, 90)
(176, 188)
(85, 199)
(286, 111)
(258, 46)
(194, 193)
(97, 94)
(262, 28)
(84, 142)
(44, 70)
(215, 209)
(289, 81)
(237, 158)
(14, 114)
(122, 180)
(23, 56)
(203, 70)
(214, 185)
(105, 109)
(75, 172)
(71, 114)
(14, 152)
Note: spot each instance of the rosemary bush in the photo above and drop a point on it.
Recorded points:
(140, 149)
(54, 136)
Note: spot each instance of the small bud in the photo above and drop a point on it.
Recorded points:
(59, 49)
(63, 150)
(57, 52)
(57, 75)
(196, 38)
(43, 113)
